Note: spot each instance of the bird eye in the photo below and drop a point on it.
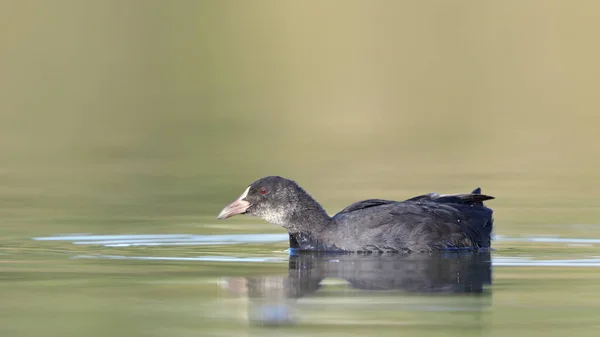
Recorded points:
(263, 191)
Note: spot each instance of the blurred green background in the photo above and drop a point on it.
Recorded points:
(148, 116)
(139, 109)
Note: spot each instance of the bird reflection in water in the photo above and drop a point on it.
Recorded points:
(455, 274)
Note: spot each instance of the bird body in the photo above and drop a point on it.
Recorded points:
(423, 223)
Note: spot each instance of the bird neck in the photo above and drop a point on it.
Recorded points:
(307, 216)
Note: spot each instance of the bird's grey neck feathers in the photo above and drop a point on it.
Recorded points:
(305, 214)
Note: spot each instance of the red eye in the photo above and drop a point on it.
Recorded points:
(263, 190)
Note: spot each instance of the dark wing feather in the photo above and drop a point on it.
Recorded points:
(442, 225)
(475, 198)
(429, 221)
(365, 204)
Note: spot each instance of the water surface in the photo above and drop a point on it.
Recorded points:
(159, 285)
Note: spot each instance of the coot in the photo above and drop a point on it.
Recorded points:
(423, 223)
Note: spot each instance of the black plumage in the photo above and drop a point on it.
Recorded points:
(423, 223)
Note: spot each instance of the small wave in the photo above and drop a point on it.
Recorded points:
(499, 261)
(229, 239)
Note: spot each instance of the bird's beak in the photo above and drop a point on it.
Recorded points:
(239, 206)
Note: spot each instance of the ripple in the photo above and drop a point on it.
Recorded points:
(530, 262)
(500, 261)
(228, 239)
(174, 258)
(166, 239)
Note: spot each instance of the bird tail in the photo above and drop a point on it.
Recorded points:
(484, 231)
(473, 198)
(476, 197)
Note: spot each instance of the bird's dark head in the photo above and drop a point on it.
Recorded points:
(273, 198)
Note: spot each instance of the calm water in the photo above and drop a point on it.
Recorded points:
(251, 285)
